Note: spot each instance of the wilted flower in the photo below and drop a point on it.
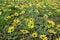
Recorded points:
(52, 32)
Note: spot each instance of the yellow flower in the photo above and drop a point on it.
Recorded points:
(34, 35)
(38, 5)
(22, 16)
(49, 13)
(58, 38)
(43, 37)
(36, 10)
(26, 19)
(3, 4)
(44, 6)
(16, 21)
(31, 19)
(0, 13)
(13, 0)
(24, 31)
(16, 14)
(50, 22)
(16, 6)
(58, 27)
(58, 10)
(8, 17)
(12, 15)
(22, 12)
(10, 29)
(45, 16)
(22, 6)
(5, 10)
(9, 10)
(8, 5)
(21, 0)
(26, 5)
(55, 7)
(48, 2)
(31, 24)
(48, 26)
(52, 31)
(30, 4)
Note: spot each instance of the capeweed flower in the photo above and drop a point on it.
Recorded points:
(43, 37)
(10, 29)
(16, 21)
(34, 35)
(0, 13)
(24, 31)
(51, 23)
(16, 14)
(58, 27)
(45, 16)
(58, 38)
(31, 24)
